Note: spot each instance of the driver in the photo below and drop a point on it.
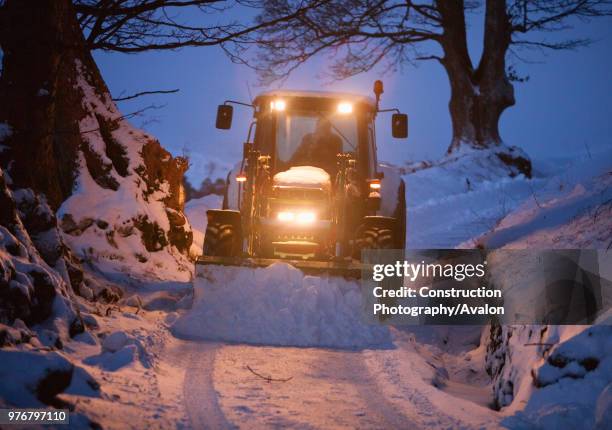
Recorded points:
(319, 149)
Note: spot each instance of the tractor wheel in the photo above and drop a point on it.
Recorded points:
(373, 238)
(377, 238)
(221, 240)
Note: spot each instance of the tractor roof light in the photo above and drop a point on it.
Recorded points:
(278, 105)
(345, 108)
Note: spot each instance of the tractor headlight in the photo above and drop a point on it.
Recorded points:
(303, 217)
(306, 217)
(285, 216)
(278, 105)
(345, 108)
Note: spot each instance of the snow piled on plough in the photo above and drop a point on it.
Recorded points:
(278, 305)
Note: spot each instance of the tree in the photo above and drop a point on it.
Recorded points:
(364, 33)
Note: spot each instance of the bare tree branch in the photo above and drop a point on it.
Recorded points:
(356, 32)
(144, 93)
(131, 26)
(268, 378)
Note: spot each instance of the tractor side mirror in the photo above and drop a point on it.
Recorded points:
(224, 117)
(399, 125)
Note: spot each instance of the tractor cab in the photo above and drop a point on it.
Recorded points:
(311, 129)
(308, 180)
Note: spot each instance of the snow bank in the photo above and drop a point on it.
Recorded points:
(195, 211)
(302, 176)
(278, 305)
(543, 377)
(564, 385)
(461, 196)
(570, 210)
(459, 200)
(33, 379)
(124, 215)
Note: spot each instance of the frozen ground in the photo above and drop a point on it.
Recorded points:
(225, 356)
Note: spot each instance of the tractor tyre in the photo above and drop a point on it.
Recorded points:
(221, 240)
(377, 238)
(373, 238)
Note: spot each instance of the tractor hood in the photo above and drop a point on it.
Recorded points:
(302, 177)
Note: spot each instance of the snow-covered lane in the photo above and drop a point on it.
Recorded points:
(327, 389)
(225, 386)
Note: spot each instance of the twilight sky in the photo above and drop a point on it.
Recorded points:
(565, 106)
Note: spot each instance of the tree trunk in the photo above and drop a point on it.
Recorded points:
(478, 96)
(38, 39)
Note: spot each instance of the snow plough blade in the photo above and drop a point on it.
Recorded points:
(346, 269)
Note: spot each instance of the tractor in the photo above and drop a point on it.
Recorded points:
(309, 189)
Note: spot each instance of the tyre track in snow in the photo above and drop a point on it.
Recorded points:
(351, 367)
(200, 397)
(370, 389)
(327, 389)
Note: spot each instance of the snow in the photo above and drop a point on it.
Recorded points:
(462, 203)
(195, 210)
(106, 236)
(460, 197)
(570, 210)
(329, 388)
(277, 305)
(139, 387)
(568, 395)
(22, 372)
(302, 176)
(115, 341)
(603, 413)
(167, 359)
